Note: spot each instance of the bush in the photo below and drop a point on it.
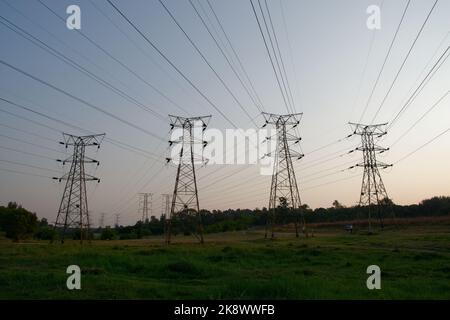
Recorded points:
(17, 222)
(108, 234)
(46, 233)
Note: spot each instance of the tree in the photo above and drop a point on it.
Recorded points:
(43, 222)
(17, 222)
(46, 233)
(386, 202)
(13, 205)
(108, 234)
(337, 205)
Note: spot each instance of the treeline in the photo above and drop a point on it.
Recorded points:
(18, 223)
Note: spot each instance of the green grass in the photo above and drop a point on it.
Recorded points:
(415, 264)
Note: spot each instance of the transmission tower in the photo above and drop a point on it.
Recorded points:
(73, 209)
(101, 221)
(284, 194)
(145, 205)
(165, 204)
(373, 191)
(165, 208)
(116, 224)
(185, 206)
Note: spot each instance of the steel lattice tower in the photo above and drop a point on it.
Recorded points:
(185, 204)
(284, 189)
(144, 205)
(73, 210)
(165, 208)
(373, 191)
(165, 204)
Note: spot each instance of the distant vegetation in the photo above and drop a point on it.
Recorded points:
(18, 223)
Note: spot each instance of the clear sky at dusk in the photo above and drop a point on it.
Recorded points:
(332, 61)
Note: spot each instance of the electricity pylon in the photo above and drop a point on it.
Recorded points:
(165, 209)
(165, 204)
(284, 194)
(73, 209)
(185, 203)
(145, 205)
(101, 221)
(373, 191)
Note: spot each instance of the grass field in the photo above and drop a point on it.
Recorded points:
(414, 260)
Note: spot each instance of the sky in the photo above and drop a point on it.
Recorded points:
(332, 60)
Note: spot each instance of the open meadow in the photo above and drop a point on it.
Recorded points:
(414, 262)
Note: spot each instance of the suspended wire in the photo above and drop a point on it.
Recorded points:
(27, 153)
(226, 57)
(28, 165)
(112, 75)
(170, 62)
(276, 57)
(422, 146)
(268, 53)
(24, 131)
(404, 61)
(127, 203)
(329, 144)
(385, 60)
(328, 169)
(422, 84)
(421, 118)
(324, 176)
(326, 156)
(115, 59)
(285, 93)
(205, 59)
(31, 143)
(429, 61)
(239, 186)
(331, 182)
(78, 67)
(25, 173)
(235, 53)
(117, 143)
(289, 46)
(80, 100)
(288, 92)
(282, 70)
(136, 45)
(426, 66)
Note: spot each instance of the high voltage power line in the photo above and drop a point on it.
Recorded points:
(78, 67)
(115, 142)
(48, 84)
(170, 62)
(227, 59)
(404, 61)
(278, 67)
(112, 57)
(384, 61)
